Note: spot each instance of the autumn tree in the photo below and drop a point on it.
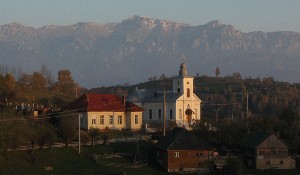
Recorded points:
(93, 133)
(9, 82)
(65, 83)
(38, 80)
(67, 128)
(25, 79)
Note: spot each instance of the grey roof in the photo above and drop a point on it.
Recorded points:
(181, 139)
(151, 95)
(255, 140)
(170, 97)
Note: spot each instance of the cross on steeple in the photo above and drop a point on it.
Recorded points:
(183, 58)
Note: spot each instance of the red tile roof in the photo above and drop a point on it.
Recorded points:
(131, 107)
(100, 102)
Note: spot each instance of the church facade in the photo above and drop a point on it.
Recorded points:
(182, 105)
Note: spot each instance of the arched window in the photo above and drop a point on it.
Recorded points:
(188, 91)
(150, 113)
(180, 114)
(171, 114)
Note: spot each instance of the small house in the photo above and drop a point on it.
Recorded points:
(182, 150)
(266, 151)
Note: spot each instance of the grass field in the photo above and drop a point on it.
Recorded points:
(65, 161)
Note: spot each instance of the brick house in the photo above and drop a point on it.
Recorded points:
(266, 151)
(182, 150)
(106, 111)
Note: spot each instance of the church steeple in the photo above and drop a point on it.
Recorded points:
(183, 70)
(183, 83)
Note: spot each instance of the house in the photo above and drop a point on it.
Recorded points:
(182, 150)
(266, 151)
(182, 105)
(106, 111)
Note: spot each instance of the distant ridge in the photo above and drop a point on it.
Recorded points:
(139, 47)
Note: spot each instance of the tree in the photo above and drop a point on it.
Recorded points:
(45, 135)
(93, 133)
(68, 128)
(65, 83)
(47, 74)
(38, 80)
(25, 79)
(9, 83)
(217, 72)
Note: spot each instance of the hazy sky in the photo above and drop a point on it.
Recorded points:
(245, 15)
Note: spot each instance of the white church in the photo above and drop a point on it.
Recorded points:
(182, 105)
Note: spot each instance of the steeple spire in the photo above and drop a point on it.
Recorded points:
(183, 70)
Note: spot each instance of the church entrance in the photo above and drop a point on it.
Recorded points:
(189, 114)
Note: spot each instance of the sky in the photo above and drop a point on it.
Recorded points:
(244, 15)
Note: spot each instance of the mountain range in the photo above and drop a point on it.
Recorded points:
(139, 47)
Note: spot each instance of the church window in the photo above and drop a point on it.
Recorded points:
(188, 92)
(150, 113)
(171, 114)
(180, 114)
(159, 113)
(136, 119)
(178, 90)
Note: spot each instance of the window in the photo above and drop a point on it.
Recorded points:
(180, 114)
(171, 114)
(178, 82)
(159, 113)
(136, 119)
(176, 154)
(178, 90)
(119, 119)
(93, 121)
(150, 113)
(188, 92)
(188, 82)
(101, 119)
(111, 118)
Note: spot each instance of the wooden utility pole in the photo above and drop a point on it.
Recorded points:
(79, 116)
(165, 112)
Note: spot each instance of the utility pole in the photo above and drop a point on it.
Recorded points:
(79, 116)
(247, 107)
(164, 116)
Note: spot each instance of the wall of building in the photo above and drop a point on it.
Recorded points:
(131, 121)
(106, 124)
(275, 163)
(186, 160)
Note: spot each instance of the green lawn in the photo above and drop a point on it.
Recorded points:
(67, 161)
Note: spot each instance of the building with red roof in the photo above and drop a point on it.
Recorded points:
(106, 111)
